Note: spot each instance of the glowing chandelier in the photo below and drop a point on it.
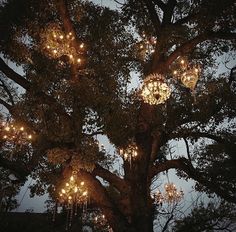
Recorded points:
(130, 152)
(147, 45)
(154, 90)
(58, 44)
(73, 194)
(171, 195)
(187, 74)
(15, 134)
(73, 191)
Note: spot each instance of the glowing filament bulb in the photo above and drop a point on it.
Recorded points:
(67, 184)
(7, 128)
(182, 62)
(30, 137)
(61, 36)
(63, 191)
(81, 45)
(79, 60)
(22, 128)
(85, 193)
(82, 183)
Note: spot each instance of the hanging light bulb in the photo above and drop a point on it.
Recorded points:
(154, 90)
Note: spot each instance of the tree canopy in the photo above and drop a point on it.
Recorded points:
(77, 61)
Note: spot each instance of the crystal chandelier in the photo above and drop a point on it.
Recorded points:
(73, 194)
(57, 44)
(154, 90)
(171, 195)
(73, 191)
(190, 78)
(16, 134)
(187, 74)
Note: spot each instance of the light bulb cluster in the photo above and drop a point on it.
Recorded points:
(15, 133)
(171, 195)
(187, 74)
(154, 90)
(147, 45)
(74, 192)
(58, 44)
(130, 152)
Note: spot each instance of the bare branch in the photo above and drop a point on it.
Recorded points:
(185, 165)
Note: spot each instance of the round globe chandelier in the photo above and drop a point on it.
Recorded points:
(154, 90)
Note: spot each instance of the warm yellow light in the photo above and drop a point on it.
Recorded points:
(5, 136)
(63, 191)
(82, 183)
(81, 45)
(182, 61)
(7, 128)
(22, 128)
(67, 184)
(30, 137)
(85, 193)
(79, 60)
(76, 189)
(71, 178)
(61, 37)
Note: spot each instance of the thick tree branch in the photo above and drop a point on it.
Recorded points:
(185, 165)
(69, 28)
(188, 46)
(153, 16)
(5, 104)
(11, 99)
(160, 4)
(113, 179)
(100, 196)
(187, 148)
(17, 78)
(168, 12)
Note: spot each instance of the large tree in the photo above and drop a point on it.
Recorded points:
(68, 102)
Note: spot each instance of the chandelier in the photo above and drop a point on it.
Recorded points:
(147, 45)
(130, 152)
(171, 195)
(154, 90)
(58, 44)
(15, 134)
(73, 191)
(190, 78)
(187, 74)
(73, 194)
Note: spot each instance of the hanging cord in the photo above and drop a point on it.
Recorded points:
(25, 192)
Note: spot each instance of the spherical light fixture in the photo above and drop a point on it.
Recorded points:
(154, 90)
